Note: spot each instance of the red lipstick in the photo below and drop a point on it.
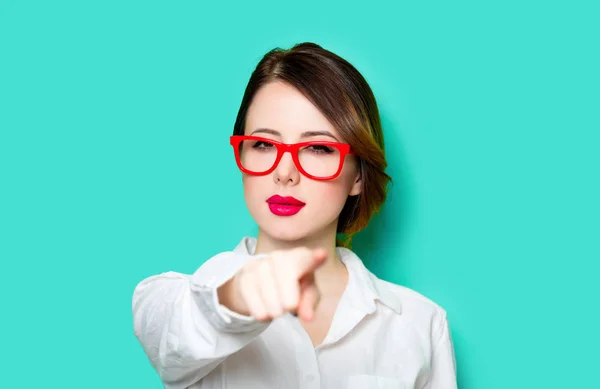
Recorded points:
(284, 206)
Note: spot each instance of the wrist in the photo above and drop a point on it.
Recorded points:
(230, 298)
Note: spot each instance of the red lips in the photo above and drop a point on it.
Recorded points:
(288, 200)
(284, 206)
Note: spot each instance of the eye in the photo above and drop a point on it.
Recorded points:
(321, 149)
(262, 145)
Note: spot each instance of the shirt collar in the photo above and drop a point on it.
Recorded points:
(364, 287)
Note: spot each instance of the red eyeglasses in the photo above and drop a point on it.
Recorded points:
(318, 160)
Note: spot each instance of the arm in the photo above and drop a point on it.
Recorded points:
(443, 364)
(182, 327)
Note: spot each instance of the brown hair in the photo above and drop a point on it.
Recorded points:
(342, 94)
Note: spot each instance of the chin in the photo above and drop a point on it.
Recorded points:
(291, 228)
(288, 233)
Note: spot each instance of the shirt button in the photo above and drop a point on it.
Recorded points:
(309, 378)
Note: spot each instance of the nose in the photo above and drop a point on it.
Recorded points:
(286, 172)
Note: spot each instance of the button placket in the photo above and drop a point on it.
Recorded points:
(306, 356)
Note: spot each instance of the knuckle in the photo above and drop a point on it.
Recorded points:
(248, 279)
(272, 262)
(263, 267)
(242, 282)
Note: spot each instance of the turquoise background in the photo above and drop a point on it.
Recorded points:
(115, 165)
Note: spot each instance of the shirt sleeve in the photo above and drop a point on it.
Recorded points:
(442, 374)
(182, 327)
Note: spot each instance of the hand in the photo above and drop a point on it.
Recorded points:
(268, 287)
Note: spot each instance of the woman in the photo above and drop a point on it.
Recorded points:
(293, 308)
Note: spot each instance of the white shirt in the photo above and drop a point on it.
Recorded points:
(383, 335)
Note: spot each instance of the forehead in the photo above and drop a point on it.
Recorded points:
(281, 107)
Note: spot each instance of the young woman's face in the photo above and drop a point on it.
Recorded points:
(287, 114)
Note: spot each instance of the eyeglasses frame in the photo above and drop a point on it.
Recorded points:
(292, 148)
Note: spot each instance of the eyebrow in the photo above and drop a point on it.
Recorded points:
(305, 134)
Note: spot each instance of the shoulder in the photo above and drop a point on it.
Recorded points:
(403, 300)
(415, 307)
(423, 321)
(410, 298)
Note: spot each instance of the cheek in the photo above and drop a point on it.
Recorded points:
(331, 190)
(257, 189)
(252, 187)
(329, 196)
(339, 188)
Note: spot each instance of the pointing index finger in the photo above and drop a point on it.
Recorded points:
(311, 260)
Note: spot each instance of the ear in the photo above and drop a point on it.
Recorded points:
(356, 187)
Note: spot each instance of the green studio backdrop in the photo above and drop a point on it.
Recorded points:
(115, 165)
